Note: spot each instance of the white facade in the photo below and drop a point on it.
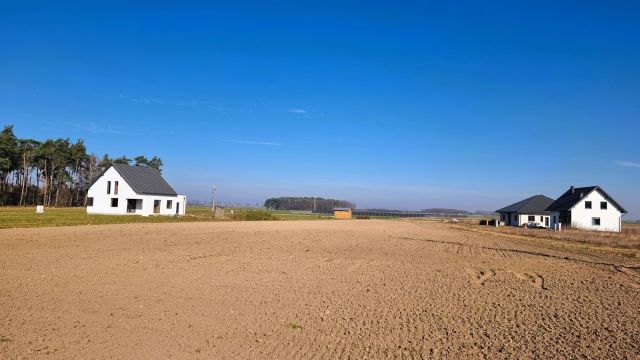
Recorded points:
(601, 215)
(111, 194)
(516, 219)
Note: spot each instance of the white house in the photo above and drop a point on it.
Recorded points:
(588, 208)
(124, 189)
(529, 210)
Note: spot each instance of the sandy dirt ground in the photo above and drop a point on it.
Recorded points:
(309, 290)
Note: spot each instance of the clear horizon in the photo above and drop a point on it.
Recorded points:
(406, 105)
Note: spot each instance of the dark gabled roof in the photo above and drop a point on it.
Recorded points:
(144, 180)
(536, 204)
(573, 196)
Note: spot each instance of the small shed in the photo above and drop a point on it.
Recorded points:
(342, 213)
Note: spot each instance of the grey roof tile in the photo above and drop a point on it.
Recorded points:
(144, 180)
(536, 204)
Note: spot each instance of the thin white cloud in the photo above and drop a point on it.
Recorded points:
(627, 163)
(252, 142)
(297, 111)
(304, 113)
(192, 103)
(95, 128)
(146, 100)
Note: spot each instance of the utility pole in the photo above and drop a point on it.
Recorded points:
(213, 199)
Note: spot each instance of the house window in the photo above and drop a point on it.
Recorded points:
(541, 218)
(169, 204)
(115, 188)
(156, 206)
(595, 221)
(603, 205)
(108, 187)
(587, 204)
(89, 201)
(114, 202)
(532, 218)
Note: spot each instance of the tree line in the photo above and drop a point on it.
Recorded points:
(315, 204)
(52, 172)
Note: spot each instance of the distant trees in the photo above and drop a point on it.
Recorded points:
(53, 172)
(307, 204)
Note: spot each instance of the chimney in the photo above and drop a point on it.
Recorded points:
(573, 190)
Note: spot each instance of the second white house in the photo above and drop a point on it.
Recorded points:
(124, 189)
(587, 208)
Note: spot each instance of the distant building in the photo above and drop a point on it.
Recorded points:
(342, 213)
(530, 210)
(124, 189)
(588, 208)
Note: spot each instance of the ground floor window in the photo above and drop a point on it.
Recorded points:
(89, 201)
(541, 218)
(595, 221)
(156, 206)
(114, 202)
(169, 204)
(532, 218)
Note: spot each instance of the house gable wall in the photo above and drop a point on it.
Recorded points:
(582, 218)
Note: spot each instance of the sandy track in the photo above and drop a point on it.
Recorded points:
(308, 290)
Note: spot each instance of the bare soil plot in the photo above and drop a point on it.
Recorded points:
(309, 290)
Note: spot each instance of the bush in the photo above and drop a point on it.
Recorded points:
(252, 215)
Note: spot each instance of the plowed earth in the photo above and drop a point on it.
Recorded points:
(309, 290)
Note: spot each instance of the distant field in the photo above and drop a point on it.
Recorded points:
(26, 217)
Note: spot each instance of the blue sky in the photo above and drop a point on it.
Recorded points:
(404, 105)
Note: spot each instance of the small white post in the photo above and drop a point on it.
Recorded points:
(39, 209)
